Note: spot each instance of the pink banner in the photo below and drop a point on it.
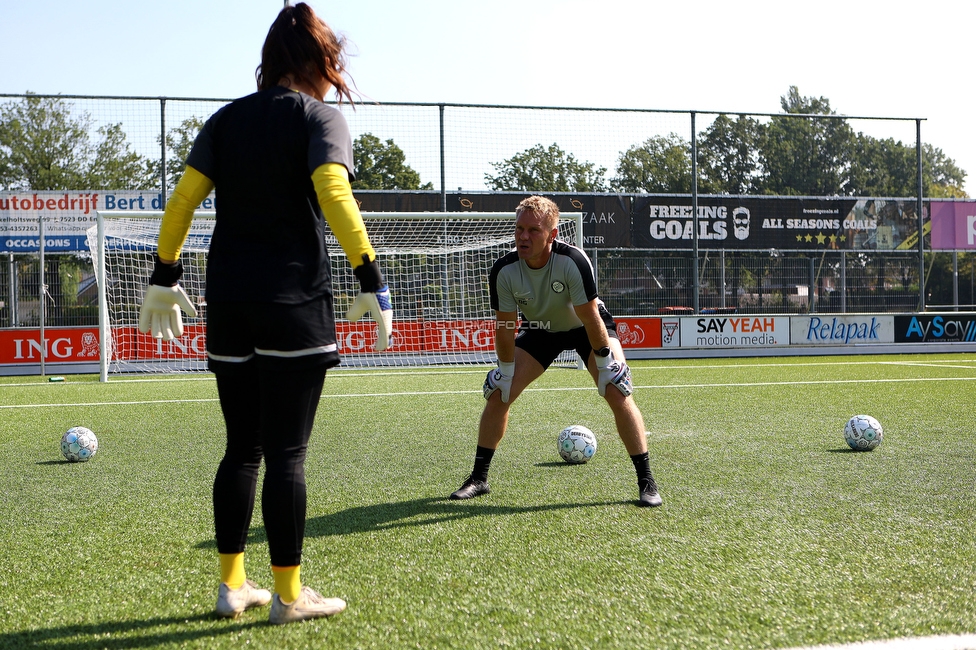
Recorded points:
(953, 225)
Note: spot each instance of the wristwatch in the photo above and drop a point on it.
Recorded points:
(602, 352)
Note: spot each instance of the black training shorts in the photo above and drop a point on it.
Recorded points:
(544, 346)
(277, 336)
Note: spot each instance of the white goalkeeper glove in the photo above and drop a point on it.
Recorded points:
(613, 372)
(500, 378)
(374, 297)
(160, 313)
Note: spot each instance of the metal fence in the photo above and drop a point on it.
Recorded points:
(456, 146)
(630, 281)
(461, 146)
(641, 282)
(64, 295)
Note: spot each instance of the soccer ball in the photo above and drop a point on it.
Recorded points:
(576, 444)
(79, 444)
(863, 433)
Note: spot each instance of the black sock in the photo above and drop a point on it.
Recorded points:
(482, 461)
(642, 464)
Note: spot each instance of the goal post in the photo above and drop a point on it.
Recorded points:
(436, 264)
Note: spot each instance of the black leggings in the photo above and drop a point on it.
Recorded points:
(268, 414)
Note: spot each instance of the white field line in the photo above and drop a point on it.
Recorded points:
(340, 373)
(942, 642)
(528, 390)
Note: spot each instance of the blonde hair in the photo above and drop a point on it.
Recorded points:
(541, 206)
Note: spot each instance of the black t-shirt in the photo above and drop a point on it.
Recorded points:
(260, 151)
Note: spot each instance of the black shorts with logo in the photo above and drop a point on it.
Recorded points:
(277, 336)
(544, 346)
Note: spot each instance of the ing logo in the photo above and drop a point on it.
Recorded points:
(89, 345)
(629, 334)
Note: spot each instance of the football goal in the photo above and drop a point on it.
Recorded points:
(435, 263)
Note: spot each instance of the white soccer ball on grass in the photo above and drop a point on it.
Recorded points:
(576, 444)
(79, 444)
(863, 433)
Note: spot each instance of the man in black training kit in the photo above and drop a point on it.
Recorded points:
(552, 284)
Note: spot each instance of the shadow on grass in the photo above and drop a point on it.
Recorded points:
(559, 463)
(405, 514)
(419, 512)
(148, 633)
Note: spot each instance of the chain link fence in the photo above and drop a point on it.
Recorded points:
(463, 149)
(630, 281)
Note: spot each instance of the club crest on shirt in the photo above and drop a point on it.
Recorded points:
(558, 286)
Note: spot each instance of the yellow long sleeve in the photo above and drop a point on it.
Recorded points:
(192, 189)
(341, 211)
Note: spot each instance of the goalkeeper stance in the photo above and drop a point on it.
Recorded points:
(552, 284)
(279, 160)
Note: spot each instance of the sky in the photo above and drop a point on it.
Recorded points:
(867, 58)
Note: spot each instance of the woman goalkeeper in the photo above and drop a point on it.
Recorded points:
(278, 160)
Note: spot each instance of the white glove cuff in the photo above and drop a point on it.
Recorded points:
(603, 362)
(507, 368)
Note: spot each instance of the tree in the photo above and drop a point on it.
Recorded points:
(941, 177)
(728, 156)
(43, 147)
(788, 156)
(546, 169)
(890, 168)
(661, 164)
(382, 166)
(805, 156)
(179, 141)
(881, 168)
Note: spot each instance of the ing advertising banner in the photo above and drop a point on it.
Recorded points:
(61, 345)
(638, 332)
(410, 336)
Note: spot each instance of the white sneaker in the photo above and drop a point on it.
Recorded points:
(231, 603)
(309, 604)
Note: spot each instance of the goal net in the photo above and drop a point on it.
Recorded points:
(436, 265)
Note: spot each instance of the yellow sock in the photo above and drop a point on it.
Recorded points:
(288, 582)
(232, 569)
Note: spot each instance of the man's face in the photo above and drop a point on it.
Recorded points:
(533, 239)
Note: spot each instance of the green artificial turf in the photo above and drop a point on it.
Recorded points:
(773, 533)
